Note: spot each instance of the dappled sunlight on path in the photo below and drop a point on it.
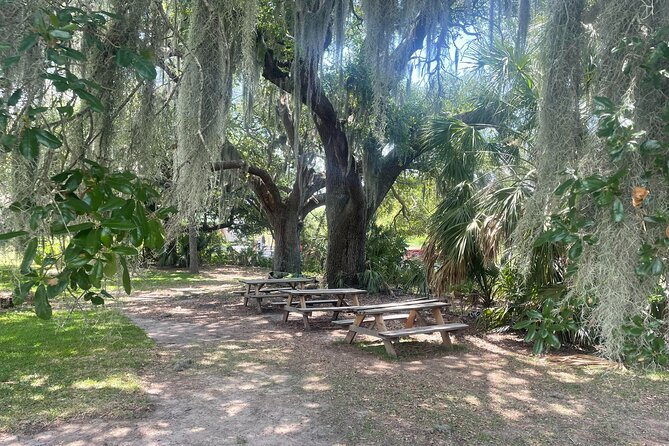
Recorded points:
(225, 375)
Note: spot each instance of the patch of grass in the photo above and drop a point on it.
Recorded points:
(75, 365)
(153, 279)
(7, 274)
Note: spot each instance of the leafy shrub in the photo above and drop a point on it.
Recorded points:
(413, 277)
(645, 342)
(547, 328)
(385, 251)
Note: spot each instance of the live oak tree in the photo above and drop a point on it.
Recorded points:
(284, 205)
(358, 172)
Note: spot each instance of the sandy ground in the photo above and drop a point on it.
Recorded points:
(224, 375)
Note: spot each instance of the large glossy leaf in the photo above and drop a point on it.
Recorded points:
(125, 275)
(11, 235)
(118, 223)
(617, 210)
(29, 146)
(42, 305)
(29, 255)
(48, 139)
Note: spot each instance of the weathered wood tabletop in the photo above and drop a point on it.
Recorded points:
(377, 317)
(258, 290)
(309, 301)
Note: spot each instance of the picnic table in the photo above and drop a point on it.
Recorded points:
(260, 289)
(371, 322)
(306, 302)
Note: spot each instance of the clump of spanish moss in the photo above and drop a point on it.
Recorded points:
(215, 45)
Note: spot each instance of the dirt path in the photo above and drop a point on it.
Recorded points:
(224, 375)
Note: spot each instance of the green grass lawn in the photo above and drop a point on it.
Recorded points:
(161, 278)
(6, 277)
(73, 366)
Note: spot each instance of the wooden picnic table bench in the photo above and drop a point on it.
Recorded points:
(315, 297)
(259, 289)
(377, 317)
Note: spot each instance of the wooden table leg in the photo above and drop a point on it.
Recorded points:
(439, 319)
(305, 316)
(411, 319)
(356, 323)
(355, 300)
(258, 298)
(340, 302)
(246, 296)
(380, 325)
(285, 309)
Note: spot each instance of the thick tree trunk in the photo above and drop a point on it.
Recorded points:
(347, 228)
(286, 228)
(194, 260)
(345, 206)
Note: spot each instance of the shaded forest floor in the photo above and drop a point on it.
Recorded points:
(221, 374)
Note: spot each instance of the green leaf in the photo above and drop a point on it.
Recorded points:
(74, 181)
(593, 183)
(93, 102)
(617, 210)
(121, 184)
(29, 256)
(111, 204)
(83, 279)
(96, 274)
(60, 177)
(27, 42)
(523, 324)
(73, 54)
(156, 236)
(14, 98)
(58, 228)
(11, 235)
(562, 188)
(144, 68)
(166, 212)
(110, 267)
(125, 250)
(538, 346)
(42, 306)
(124, 57)
(29, 147)
(47, 139)
(60, 34)
(125, 275)
(55, 290)
(657, 266)
(93, 198)
(534, 315)
(106, 237)
(75, 204)
(96, 299)
(118, 223)
(66, 110)
(576, 250)
(531, 333)
(603, 103)
(22, 290)
(553, 341)
(97, 170)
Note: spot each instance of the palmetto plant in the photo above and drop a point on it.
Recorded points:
(485, 178)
